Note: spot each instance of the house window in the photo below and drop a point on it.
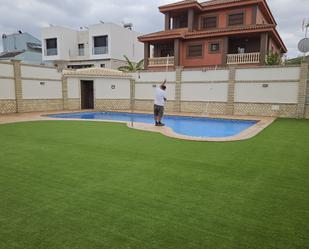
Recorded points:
(236, 19)
(81, 49)
(51, 47)
(195, 50)
(209, 22)
(102, 65)
(100, 44)
(214, 47)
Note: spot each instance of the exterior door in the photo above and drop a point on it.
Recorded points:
(87, 96)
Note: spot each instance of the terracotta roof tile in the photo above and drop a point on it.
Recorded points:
(214, 2)
(215, 31)
(9, 54)
(165, 33)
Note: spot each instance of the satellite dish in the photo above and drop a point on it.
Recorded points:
(303, 45)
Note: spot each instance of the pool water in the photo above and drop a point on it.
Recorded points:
(184, 125)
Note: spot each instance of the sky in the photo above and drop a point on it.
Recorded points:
(31, 15)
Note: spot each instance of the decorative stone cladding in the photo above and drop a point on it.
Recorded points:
(35, 105)
(73, 104)
(203, 107)
(256, 109)
(112, 104)
(7, 106)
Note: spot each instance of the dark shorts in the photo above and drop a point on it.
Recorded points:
(158, 111)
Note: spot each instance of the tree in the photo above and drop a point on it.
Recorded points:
(273, 59)
(131, 66)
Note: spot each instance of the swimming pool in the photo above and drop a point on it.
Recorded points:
(201, 127)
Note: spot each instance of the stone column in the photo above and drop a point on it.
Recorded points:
(177, 52)
(18, 86)
(302, 90)
(263, 48)
(190, 19)
(132, 95)
(225, 50)
(167, 21)
(231, 91)
(146, 54)
(177, 105)
(65, 93)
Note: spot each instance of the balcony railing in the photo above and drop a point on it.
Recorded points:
(78, 53)
(161, 61)
(51, 51)
(100, 50)
(81, 52)
(246, 58)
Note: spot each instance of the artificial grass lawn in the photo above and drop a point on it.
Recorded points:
(66, 184)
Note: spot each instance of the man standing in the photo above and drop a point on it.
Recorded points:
(159, 103)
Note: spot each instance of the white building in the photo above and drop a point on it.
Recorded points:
(21, 46)
(99, 45)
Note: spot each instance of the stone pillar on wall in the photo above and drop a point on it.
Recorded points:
(132, 95)
(302, 90)
(18, 86)
(231, 92)
(177, 105)
(65, 93)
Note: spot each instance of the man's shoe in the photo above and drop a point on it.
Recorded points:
(161, 124)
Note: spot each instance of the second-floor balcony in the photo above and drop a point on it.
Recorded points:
(100, 50)
(243, 58)
(78, 53)
(51, 51)
(161, 62)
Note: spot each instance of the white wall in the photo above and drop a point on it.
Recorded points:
(103, 88)
(66, 40)
(125, 42)
(147, 91)
(40, 72)
(155, 76)
(32, 89)
(6, 70)
(73, 88)
(281, 73)
(7, 89)
(216, 92)
(208, 75)
(275, 93)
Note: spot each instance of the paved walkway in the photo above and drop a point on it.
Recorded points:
(246, 134)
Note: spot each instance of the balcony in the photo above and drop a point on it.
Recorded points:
(161, 61)
(245, 58)
(100, 50)
(51, 51)
(79, 53)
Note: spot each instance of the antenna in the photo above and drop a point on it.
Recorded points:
(128, 25)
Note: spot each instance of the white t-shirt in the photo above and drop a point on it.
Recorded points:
(160, 95)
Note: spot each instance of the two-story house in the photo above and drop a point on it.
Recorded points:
(99, 45)
(213, 33)
(21, 46)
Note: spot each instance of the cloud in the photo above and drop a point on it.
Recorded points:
(31, 15)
